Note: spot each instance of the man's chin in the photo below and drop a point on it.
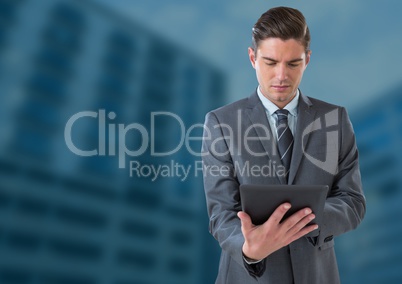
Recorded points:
(283, 98)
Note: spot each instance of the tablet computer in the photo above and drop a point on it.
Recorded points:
(260, 201)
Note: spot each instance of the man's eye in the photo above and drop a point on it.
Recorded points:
(293, 64)
(271, 64)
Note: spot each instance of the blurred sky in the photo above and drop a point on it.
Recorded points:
(356, 44)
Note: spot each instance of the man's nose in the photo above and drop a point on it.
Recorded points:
(281, 72)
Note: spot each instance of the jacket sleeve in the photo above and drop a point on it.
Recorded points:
(346, 205)
(222, 193)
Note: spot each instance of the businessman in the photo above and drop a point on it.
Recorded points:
(278, 135)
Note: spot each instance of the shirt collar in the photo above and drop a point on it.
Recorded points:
(270, 107)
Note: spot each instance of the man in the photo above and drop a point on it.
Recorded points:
(292, 139)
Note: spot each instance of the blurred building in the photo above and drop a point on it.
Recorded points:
(373, 253)
(71, 219)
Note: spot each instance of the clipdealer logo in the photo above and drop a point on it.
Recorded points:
(112, 142)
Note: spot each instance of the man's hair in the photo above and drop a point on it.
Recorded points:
(284, 23)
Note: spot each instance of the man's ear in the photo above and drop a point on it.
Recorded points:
(251, 56)
(308, 55)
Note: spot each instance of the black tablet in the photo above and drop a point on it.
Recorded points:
(260, 201)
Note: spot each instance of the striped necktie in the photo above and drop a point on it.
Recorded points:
(285, 138)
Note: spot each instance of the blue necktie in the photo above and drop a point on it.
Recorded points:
(285, 138)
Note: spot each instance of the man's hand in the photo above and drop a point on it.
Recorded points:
(263, 240)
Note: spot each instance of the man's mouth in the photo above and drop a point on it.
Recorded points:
(280, 88)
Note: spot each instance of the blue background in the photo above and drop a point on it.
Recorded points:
(71, 219)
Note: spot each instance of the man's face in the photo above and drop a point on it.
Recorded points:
(279, 66)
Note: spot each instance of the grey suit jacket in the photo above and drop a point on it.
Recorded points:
(238, 148)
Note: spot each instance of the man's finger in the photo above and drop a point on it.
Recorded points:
(300, 216)
(303, 232)
(245, 220)
(278, 214)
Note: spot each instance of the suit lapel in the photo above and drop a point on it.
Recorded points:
(258, 117)
(305, 118)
